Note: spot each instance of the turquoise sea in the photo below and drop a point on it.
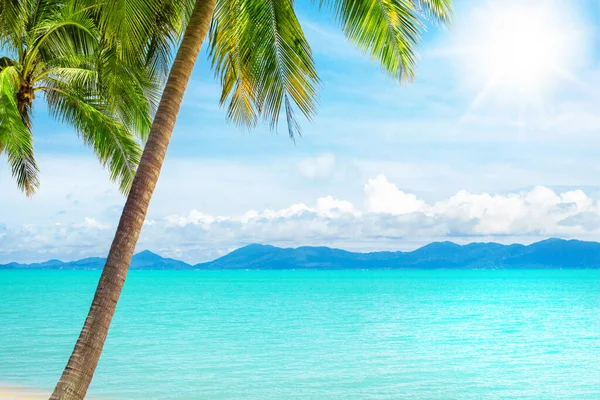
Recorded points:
(262, 335)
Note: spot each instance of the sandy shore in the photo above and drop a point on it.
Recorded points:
(21, 393)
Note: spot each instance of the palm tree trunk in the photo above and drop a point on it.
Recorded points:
(78, 373)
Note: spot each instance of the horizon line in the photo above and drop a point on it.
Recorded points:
(306, 246)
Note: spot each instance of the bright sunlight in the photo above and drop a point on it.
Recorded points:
(522, 48)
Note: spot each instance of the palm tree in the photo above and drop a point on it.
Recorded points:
(260, 54)
(54, 50)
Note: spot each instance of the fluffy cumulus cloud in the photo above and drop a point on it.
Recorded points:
(389, 218)
(384, 197)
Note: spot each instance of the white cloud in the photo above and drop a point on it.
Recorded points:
(327, 207)
(391, 219)
(321, 166)
(75, 187)
(330, 207)
(384, 197)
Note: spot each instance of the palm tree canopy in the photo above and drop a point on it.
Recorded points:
(54, 48)
(264, 62)
(98, 65)
(259, 52)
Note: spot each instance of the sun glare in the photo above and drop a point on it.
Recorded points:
(521, 48)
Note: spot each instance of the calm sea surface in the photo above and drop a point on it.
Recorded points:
(314, 335)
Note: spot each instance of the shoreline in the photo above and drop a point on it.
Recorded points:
(9, 392)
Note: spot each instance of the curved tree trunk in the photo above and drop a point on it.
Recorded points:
(78, 373)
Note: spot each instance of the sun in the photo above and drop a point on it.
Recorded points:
(521, 48)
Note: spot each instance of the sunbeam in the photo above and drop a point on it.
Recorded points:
(521, 51)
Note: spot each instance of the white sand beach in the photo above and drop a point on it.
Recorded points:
(21, 393)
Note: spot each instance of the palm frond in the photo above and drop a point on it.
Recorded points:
(285, 67)
(114, 145)
(61, 32)
(128, 90)
(143, 29)
(131, 92)
(135, 55)
(77, 77)
(436, 10)
(69, 60)
(15, 138)
(86, 74)
(260, 53)
(388, 30)
(168, 24)
(127, 22)
(13, 19)
(230, 53)
(37, 10)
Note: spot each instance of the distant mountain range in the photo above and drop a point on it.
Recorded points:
(551, 253)
(146, 260)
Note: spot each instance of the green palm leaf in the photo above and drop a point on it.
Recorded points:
(114, 145)
(264, 61)
(56, 48)
(142, 29)
(62, 30)
(131, 94)
(15, 138)
(389, 30)
(77, 77)
(436, 10)
(167, 25)
(230, 52)
(12, 23)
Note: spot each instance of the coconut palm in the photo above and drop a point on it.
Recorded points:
(260, 54)
(54, 50)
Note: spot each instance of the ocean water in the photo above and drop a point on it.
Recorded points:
(261, 335)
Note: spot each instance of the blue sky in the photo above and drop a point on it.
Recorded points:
(382, 165)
